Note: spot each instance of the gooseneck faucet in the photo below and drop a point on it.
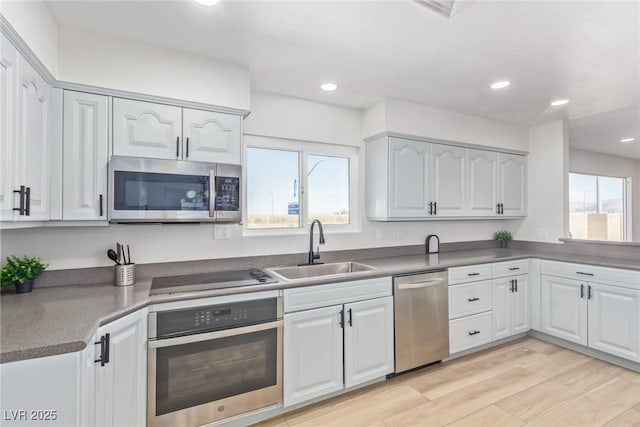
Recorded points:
(315, 255)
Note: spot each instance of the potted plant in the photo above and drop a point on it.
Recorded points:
(502, 237)
(21, 272)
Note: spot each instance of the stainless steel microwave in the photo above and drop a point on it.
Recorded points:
(165, 191)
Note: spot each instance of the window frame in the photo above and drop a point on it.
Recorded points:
(304, 149)
(626, 204)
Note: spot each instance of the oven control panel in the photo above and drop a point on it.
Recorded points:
(215, 317)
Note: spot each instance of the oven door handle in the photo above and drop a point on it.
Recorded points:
(168, 342)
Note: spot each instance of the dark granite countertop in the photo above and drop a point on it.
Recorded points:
(56, 320)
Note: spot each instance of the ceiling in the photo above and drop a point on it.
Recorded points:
(587, 51)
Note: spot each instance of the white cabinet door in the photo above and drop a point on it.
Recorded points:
(614, 320)
(32, 140)
(368, 337)
(409, 175)
(8, 85)
(448, 180)
(144, 129)
(211, 137)
(482, 172)
(520, 305)
(85, 154)
(121, 384)
(512, 187)
(502, 307)
(564, 309)
(312, 363)
(48, 386)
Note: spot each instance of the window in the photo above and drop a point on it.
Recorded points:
(598, 207)
(289, 184)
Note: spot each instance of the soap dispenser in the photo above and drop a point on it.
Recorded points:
(432, 244)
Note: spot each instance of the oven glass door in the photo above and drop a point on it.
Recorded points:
(146, 191)
(195, 373)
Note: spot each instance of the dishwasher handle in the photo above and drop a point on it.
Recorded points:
(425, 284)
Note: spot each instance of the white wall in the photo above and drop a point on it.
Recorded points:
(416, 119)
(87, 246)
(34, 23)
(589, 162)
(547, 183)
(97, 60)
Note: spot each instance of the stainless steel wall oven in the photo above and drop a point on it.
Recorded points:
(213, 362)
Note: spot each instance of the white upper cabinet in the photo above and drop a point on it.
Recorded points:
(211, 137)
(415, 180)
(482, 174)
(145, 129)
(512, 188)
(32, 141)
(8, 86)
(448, 180)
(85, 154)
(409, 178)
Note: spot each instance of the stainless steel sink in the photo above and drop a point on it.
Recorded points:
(320, 270)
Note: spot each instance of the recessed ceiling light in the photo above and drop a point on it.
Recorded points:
(328, 86)
(559, 102)
(627, 139)
(500, 85)
(207, 2)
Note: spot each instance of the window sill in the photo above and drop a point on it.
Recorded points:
(275, 232)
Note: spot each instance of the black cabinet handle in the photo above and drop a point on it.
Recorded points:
(501, 208)
(584, 274)
(511, 283)
(473, 299)
(435, 208)
(101, 205)
(516, 284)
(581, 290)
(21, 192)
(473, 274)
(104, 349)
(27, 201)
(341, 321)
(430, 208)
(350, 317)
(474, 332)
(187, 147)
(498, 208)
(514, 268)
(177, 146)
(589, 292)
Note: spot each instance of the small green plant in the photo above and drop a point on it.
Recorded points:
(502, 236)
(20, 270)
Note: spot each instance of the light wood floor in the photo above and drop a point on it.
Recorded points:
(526, 382)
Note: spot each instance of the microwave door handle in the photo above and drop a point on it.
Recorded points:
(212, 193)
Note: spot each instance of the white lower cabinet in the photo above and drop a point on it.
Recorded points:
(331, 348)
(313, 349)
(602, 317)
(564, 309)
(470, 331)
(121, 376)
(510, 306)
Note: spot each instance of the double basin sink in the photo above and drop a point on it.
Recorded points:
(313, 271)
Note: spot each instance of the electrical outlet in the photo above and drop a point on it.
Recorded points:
(395, 231)
(541, 233)
(221, 232)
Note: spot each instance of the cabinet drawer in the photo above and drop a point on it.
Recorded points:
(469, 298)
(590, 273)
(510, 268)
(470, 273)
(470, 331)
(335, 293)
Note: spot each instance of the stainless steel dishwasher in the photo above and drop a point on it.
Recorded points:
(421, 307)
